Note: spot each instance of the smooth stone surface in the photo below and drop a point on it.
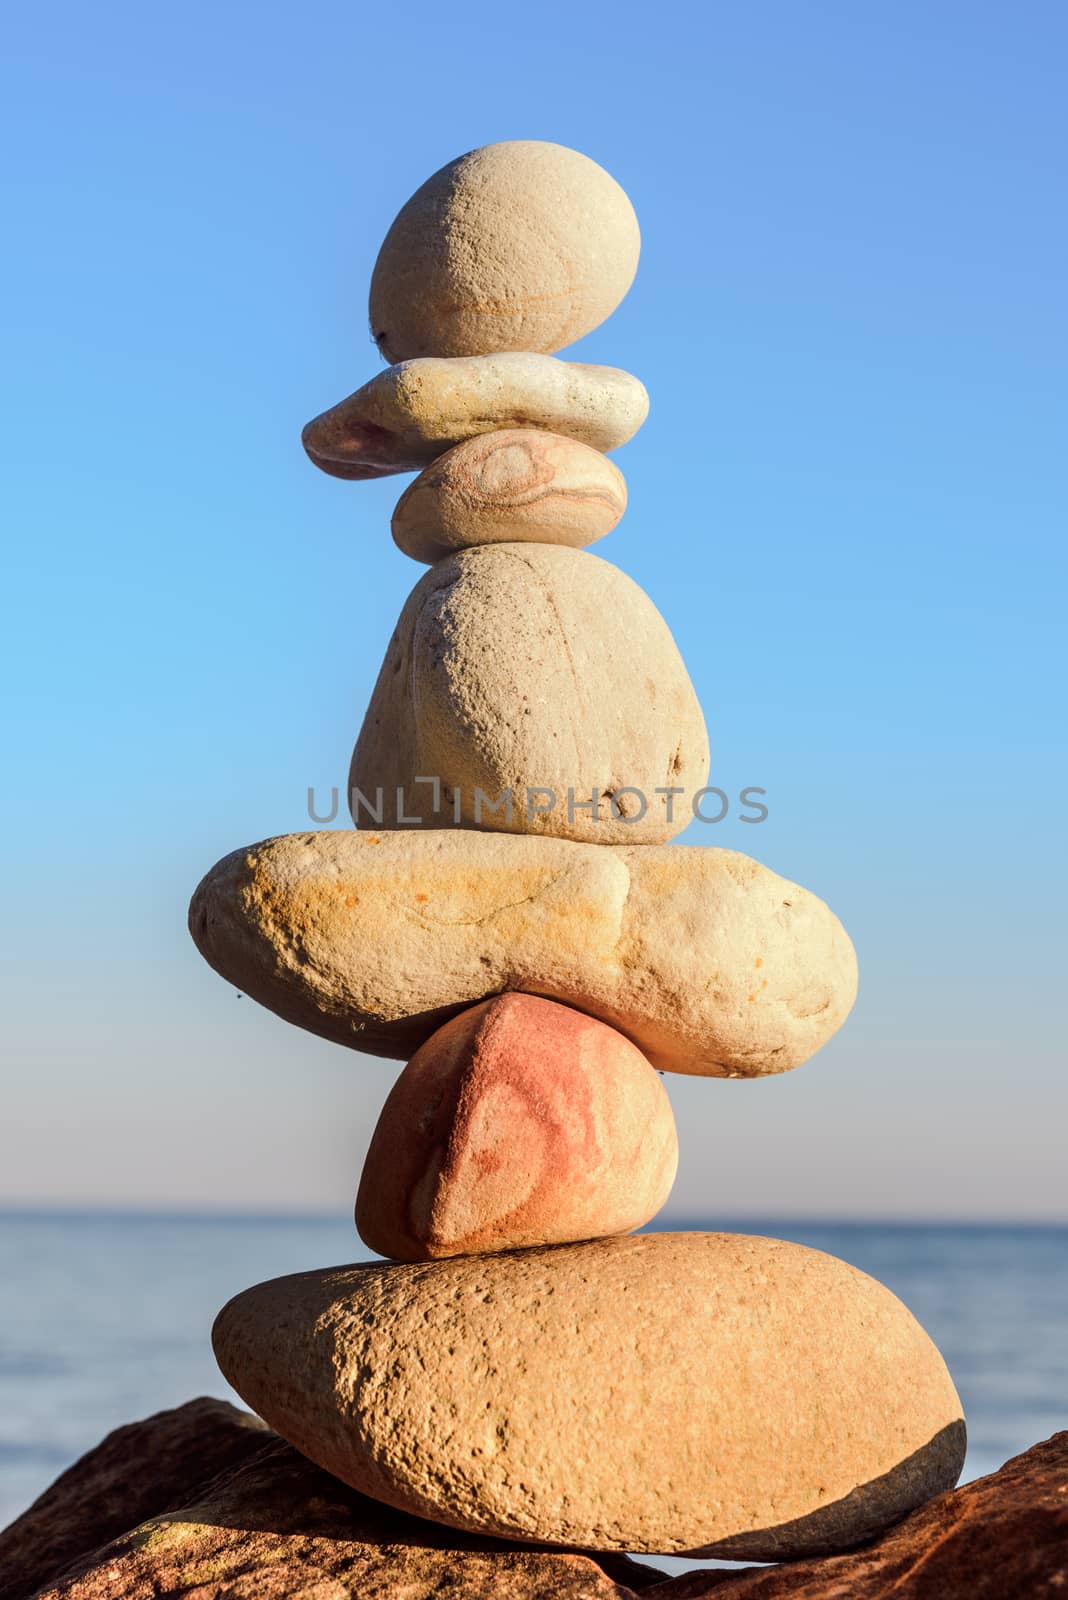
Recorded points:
(516, 484)
(709, 962)
(708, 1393)
(205, 1503)
(521, 245)
(532, 667)
(409, 414)
(520, 1122)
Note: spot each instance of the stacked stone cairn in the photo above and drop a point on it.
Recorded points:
(526, 1365)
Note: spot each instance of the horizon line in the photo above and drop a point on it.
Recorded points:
(67, 1211)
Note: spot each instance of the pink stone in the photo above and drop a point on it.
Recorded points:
(520, 1122)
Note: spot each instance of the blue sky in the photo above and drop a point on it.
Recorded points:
(849, 501)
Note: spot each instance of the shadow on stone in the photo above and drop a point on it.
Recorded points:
(859, 1516)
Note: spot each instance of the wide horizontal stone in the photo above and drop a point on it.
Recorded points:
(521, 245)
(515, 484)
(409, 414)
(520, 1122)
(706, 1393)
(530, 671)
(206, 1497)
(709, 962)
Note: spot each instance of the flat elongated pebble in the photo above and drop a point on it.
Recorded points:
(696, 1393)
(710, 963)
(542, 674)
(516, 484)
(520, 1122)
(521, 245)
(408, 415)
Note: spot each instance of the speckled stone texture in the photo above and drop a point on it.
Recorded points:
(521, 667)
(522, 245)
(405, 417)
(709, 962)
(713, 1393)
(512, 485)
(204, 1503)
(520, 1122)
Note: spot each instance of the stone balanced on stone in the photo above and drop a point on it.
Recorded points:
(526, 1366)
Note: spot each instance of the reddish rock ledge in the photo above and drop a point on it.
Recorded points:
(204, 1502)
